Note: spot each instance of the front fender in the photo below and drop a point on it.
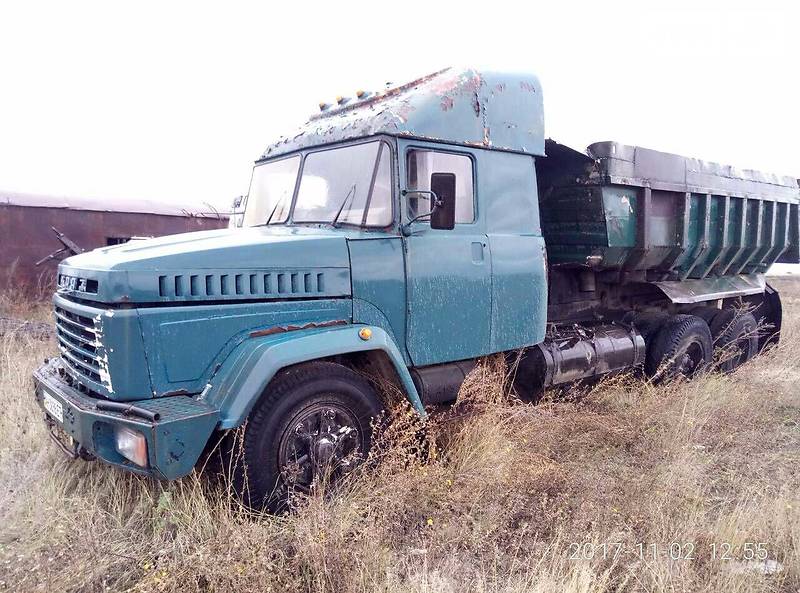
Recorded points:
(245, 374)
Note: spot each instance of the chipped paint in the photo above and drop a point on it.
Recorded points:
(464, 107)
(102, 353)
(281, 329)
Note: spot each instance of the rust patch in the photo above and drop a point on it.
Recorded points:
(379, 97)
(282, 329)
(404, 111)
(476, 104)
(442, 85)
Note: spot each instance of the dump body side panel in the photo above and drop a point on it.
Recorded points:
(676, 218)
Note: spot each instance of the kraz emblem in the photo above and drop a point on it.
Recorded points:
(72, 283)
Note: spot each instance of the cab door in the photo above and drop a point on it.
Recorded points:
(448, 286)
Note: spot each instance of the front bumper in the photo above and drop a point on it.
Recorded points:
(176, 431)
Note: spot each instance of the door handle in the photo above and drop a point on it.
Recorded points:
(477, 252)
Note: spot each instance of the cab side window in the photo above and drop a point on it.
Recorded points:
(422, 164)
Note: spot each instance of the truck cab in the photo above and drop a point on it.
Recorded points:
(377, 195)
(393, 240)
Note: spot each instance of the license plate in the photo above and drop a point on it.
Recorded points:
(54, 406)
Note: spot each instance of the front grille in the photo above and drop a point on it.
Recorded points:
(79, 344)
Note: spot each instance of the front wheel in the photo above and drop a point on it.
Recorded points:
(313, 424)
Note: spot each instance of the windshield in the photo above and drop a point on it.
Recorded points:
(340, 182)
(271, 191)
(346, 185)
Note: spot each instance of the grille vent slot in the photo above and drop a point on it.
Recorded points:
(242, 285)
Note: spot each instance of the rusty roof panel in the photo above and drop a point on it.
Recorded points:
(467, 107)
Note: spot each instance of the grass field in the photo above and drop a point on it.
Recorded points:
(628, 487)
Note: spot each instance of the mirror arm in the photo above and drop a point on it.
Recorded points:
(406, 228)
(436, 200)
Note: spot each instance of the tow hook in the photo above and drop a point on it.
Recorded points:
(73, 450)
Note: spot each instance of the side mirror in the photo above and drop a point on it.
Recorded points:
(237, 202)
(443, 211)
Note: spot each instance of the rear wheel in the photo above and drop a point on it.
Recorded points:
(681, 348)
(313, 425)
(705, 313)
(735, 337)
(649, 323)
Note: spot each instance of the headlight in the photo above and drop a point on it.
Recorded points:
(132, 445)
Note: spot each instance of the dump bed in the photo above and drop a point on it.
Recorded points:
(631, 208)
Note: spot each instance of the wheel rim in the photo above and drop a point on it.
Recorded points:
(741, 348)
(322, 442)
(691, 360)
(738, 353)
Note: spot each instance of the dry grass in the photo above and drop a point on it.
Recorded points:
(499, 502)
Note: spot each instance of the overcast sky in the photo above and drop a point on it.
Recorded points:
(174, 100)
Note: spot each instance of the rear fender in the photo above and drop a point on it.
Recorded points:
(245, 374)
(768, 311)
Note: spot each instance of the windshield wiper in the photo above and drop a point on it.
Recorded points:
(271, 214)
(335, 220)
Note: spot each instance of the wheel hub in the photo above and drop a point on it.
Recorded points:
(690, 360)
(323, 442)
(324, 449)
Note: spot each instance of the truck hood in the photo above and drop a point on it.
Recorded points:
(227, 264)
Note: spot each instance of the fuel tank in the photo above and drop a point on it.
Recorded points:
(575, 353)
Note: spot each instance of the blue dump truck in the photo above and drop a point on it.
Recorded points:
(395, 239)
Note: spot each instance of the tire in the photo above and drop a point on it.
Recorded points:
(705, 313)
(299, 416)
(735, 336)
(648, 324)
(681, 348)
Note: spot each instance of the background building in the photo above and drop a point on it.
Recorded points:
(27, 237)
